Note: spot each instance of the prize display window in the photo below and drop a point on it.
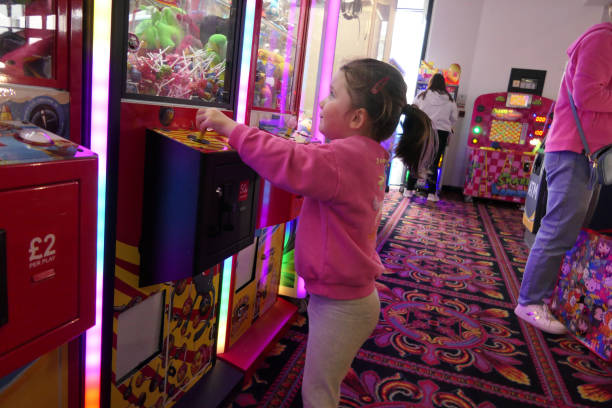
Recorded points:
(182, 52)
(276, 76)
(33, 43)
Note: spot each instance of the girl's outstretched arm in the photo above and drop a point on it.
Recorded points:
(306, 169)
(309, 170)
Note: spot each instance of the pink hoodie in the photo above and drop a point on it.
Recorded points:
(343, 184)
(589, 77)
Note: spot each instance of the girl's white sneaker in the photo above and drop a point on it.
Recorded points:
(540, 317)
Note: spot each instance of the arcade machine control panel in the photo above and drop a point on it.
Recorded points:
(199, 204)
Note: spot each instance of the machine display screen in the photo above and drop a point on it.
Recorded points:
(184, 54)
(505, 131)
(518, 100)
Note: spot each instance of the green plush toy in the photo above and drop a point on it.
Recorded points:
(217, 45)
(162, 29)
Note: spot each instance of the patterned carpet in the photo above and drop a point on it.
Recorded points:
(447, 335)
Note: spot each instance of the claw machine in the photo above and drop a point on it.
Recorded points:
(256, 314)
(185, 202)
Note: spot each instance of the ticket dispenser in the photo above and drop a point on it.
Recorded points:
(48, 196)
(199, 204)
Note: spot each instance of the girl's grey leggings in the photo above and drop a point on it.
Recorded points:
(336, 331)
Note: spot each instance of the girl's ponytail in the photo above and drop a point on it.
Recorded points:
(418, 142)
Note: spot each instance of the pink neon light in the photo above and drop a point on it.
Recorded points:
(288, 47)
(245, 71)
(99, 121)
(327, 60)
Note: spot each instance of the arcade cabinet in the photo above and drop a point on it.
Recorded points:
(451, 77)
(48, 200)
(48, 196)
(184, 202)
(505, 129)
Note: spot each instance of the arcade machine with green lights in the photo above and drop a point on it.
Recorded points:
(506, 130)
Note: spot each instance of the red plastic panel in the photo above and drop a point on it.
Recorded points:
(42, 235)
(497, 174)
(276, 205)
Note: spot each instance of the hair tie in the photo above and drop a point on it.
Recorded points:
(379, 85)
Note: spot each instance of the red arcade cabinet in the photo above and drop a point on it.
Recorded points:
(184, 202)
(505, 128)
(48, 200)
(48, 195)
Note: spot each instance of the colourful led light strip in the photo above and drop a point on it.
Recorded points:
(226, 276)
(332, 14)
(99, 121)
(245, 62)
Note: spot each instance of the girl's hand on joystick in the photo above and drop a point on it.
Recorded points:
(209, 118)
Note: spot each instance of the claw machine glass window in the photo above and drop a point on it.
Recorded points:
(275, 74)
(30, 39)
(182, 51)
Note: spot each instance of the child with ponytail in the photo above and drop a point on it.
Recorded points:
(343, 184)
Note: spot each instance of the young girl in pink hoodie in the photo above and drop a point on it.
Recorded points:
(343, 184)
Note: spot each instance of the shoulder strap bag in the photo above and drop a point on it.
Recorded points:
(601, 160)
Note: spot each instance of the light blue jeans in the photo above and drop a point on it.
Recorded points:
(569, 194)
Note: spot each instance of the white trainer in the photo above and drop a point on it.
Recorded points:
(540, 317)
(433, 197)
(408, 193)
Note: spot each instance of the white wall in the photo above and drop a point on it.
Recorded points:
(489, 37)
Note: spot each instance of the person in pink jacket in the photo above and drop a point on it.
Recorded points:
(588, 76)
(343, 184)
